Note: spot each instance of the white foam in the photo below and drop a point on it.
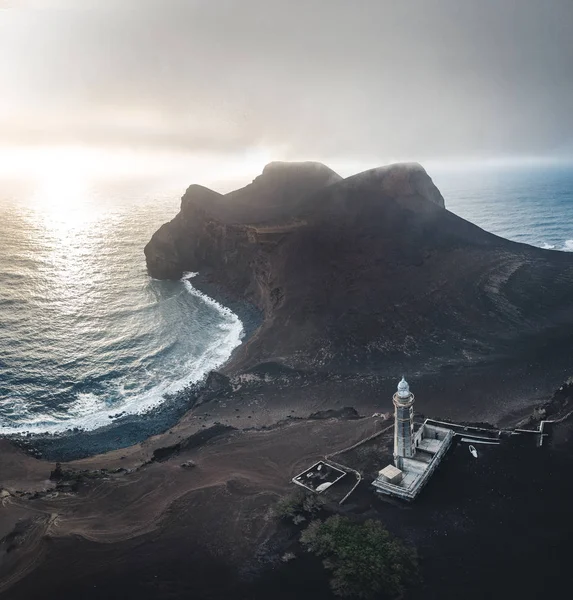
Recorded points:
(566, 247)
(91, 411)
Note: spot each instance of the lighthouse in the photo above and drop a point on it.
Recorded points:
(403, 423)
(416, 456)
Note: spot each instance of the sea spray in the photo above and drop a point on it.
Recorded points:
(90, 411)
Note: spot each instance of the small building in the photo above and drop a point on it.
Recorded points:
(416, 455)
(391, 474)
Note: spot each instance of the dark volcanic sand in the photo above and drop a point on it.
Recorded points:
(482, 527)
(219, 508)
(496, 527)
(200, 530)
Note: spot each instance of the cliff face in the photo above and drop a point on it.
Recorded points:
(209, 230)
(365, 271)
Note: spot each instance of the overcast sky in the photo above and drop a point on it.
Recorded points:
(315, 79)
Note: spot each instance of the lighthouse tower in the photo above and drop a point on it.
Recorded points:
(403, 423)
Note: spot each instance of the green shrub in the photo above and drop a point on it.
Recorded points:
(298, 503)
(365, 560)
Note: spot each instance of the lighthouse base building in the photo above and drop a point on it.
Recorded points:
(417, 454)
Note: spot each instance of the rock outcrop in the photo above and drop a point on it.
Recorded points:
(369, 270)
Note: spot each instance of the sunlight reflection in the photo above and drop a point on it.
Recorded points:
(62, 194)
(63, 214)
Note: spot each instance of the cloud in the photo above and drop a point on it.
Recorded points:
(412, 79)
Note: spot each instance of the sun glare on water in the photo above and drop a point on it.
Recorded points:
(63, 210)
(61, 191)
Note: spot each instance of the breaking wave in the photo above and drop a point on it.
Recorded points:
(90, 410)
(567, 246)
(88, 338)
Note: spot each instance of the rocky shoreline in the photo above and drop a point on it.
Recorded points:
(133, 429)
(249, 315)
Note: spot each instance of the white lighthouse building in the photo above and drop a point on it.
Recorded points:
(416, 454)
(403, 401)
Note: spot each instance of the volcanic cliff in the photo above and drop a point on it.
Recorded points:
(364, 272)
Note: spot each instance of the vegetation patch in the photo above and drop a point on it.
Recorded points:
(298, 506)
(364, 559)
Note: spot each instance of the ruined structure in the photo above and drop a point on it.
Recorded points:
(416, 454)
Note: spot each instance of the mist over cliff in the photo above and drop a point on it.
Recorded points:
(364, 272)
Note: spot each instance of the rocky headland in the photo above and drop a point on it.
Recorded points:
(372, 275)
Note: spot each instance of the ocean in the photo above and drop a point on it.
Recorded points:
(532, 204)
(88, 339)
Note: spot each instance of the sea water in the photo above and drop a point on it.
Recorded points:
(529, 204)
(87, 338)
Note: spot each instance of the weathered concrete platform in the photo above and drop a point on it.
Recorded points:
(431, 444)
